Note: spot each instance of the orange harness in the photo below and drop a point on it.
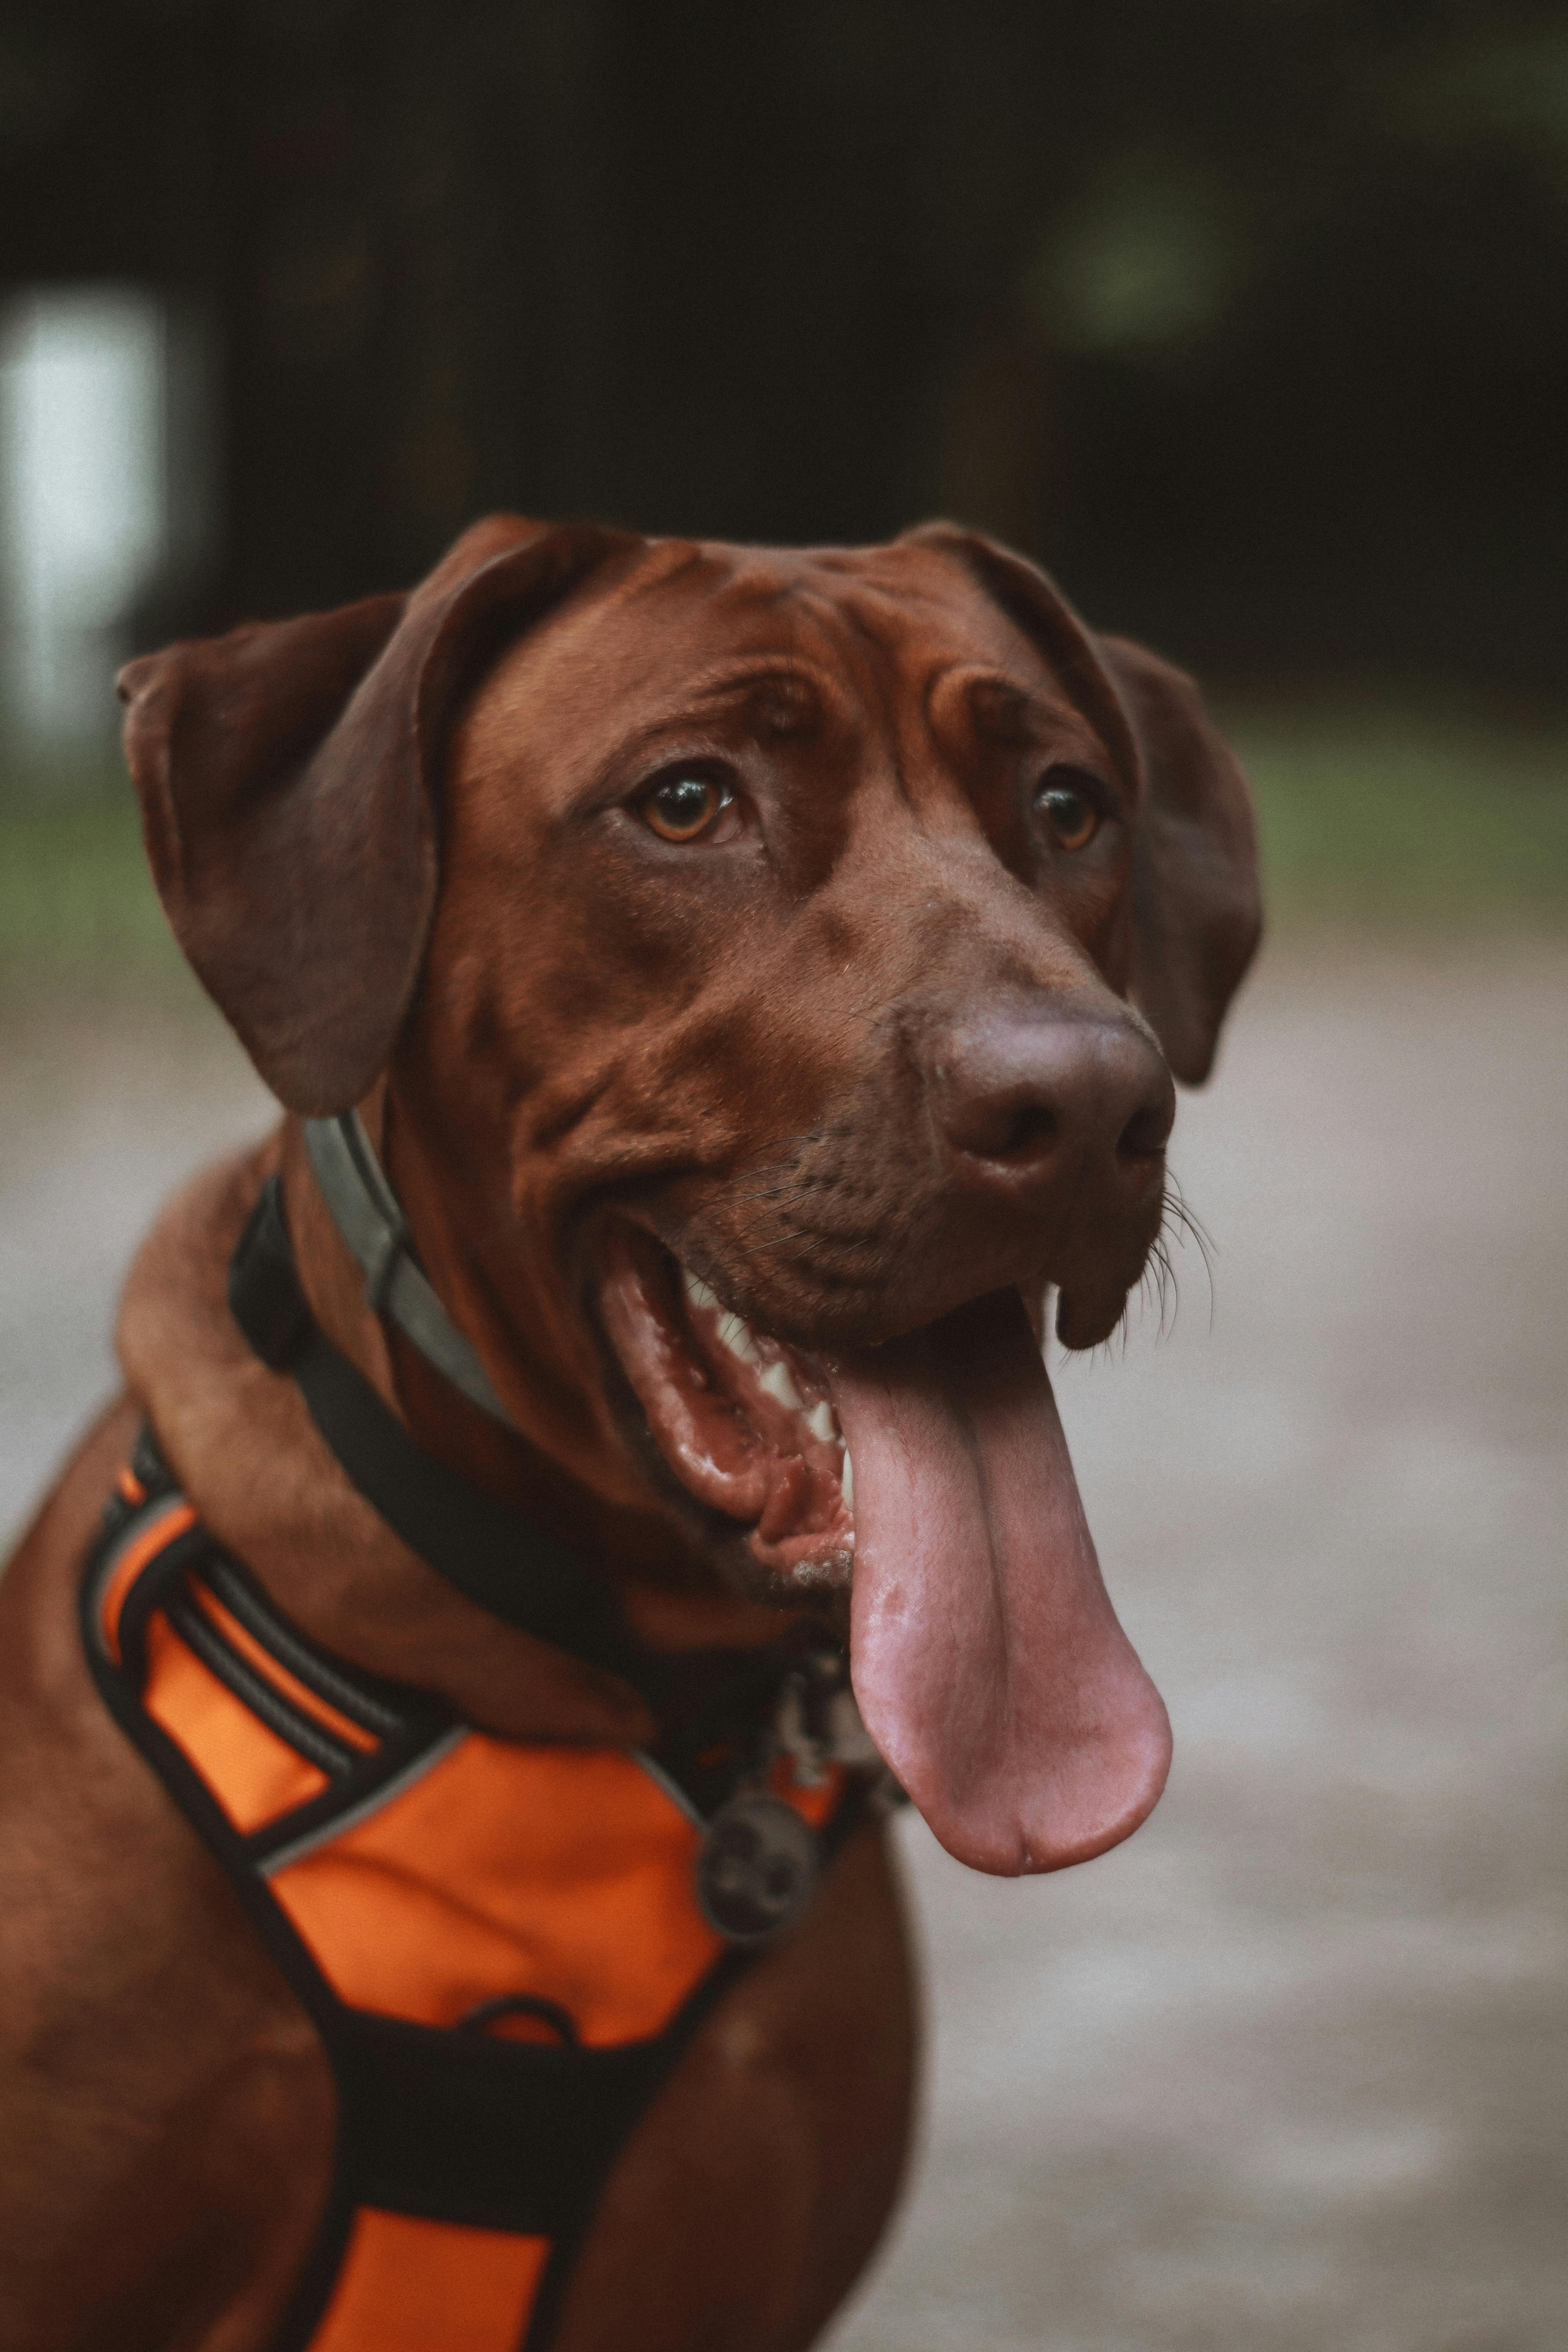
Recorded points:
(499, 1945)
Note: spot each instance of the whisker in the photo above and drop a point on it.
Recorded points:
(1160, 1278)
(815, 1233)
(775, 1192)
(1179, 1226)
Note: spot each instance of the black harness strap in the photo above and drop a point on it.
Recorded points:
(501, 1559)
(509, 1565)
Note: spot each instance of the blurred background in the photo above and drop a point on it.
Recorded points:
(1249, 318)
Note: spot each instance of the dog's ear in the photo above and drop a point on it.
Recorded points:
(1196, 910)
(287, 774)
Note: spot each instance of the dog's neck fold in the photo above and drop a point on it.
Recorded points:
(241, 1443)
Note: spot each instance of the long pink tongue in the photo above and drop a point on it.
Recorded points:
(986, 1657)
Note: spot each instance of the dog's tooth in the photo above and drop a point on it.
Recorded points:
(736, 1335)
(821, 1423)
(697, 1291)
(733, 1331)
(846, 1481)
(778, 1382)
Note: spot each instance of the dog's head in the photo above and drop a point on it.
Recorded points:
(776, 963)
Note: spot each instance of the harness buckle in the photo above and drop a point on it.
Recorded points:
(818, 1723)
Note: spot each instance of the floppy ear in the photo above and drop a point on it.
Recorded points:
(1196, 910)
(287, 775)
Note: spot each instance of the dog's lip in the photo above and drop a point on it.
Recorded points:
(818, 1341)
(744, 1420)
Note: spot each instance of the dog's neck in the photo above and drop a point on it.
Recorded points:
(671, 1599)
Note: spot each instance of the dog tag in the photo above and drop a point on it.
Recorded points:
(755, 1868)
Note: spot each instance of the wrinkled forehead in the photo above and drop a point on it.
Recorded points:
(857, 629)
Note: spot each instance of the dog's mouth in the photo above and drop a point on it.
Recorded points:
(747, 1424)
(931, 1473)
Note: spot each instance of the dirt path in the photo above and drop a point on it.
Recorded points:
(1287, 2073)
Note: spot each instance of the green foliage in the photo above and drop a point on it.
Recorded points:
(1377, 814)
(76, 903)
(1149, 259)
(1493, 85)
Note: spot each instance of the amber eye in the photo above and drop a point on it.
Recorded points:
(682, 807)
(1068, 809)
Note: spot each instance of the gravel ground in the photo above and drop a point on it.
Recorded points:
(1288, 2071)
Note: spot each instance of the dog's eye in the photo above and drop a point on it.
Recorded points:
(1068, 808)
(682, 807)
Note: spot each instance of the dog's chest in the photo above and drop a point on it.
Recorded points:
(500, 1946)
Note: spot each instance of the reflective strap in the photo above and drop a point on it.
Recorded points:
(146, 1535)
(366, 1212)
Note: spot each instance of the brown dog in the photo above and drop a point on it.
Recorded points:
(770, 918)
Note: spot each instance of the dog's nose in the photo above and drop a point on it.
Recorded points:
(1024, 1093)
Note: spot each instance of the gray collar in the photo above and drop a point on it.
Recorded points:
(366, 1212)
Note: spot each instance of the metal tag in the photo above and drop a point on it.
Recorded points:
(756, 1868)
